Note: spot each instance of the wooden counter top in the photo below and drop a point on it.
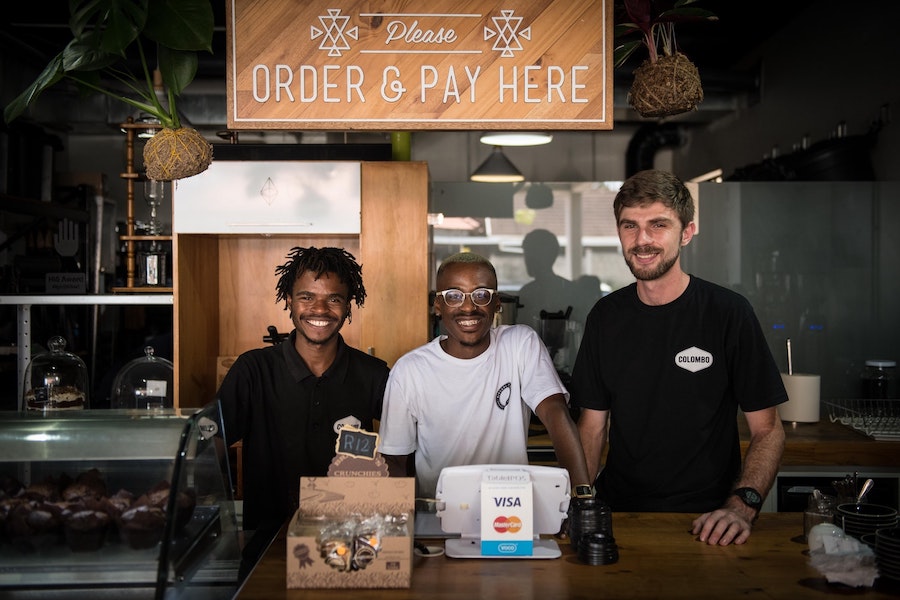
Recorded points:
(828, 444)
(822, 444)
(658, 558)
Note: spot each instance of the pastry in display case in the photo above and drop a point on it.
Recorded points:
(121, 502)
(56, 380)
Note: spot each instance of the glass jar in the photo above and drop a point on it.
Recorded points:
(879, 380)
(145, 383)
(151, 267)
(56, 380)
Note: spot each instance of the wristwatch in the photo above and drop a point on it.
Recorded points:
(750, 497)
(582, 491)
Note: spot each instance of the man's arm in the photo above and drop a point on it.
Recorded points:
(554, 414)
(592, 430)
(733, 522)
(764, 452)
(401, 465)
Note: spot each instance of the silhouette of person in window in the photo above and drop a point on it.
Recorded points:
(589, 290)
(566, 302)
(546, 291)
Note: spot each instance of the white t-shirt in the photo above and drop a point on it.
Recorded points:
(453, 411)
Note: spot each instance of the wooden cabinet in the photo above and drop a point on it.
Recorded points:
(224, 283)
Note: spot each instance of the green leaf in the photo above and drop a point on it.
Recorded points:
(623, 29)
(685, 15)
(80, 55)
(178, 68)
(104, 30)
(623, 51)
(112, 24)
(51, 75)
(181, 24)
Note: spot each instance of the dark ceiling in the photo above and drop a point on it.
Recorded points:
(37, 30)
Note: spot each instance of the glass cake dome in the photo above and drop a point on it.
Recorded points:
(145, 383)
(55, 380)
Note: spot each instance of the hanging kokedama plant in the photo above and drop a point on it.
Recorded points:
(103, 32)
(667, 82)
(176, 153)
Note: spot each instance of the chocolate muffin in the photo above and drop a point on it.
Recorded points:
(10, 487)
(87, 486)
(33, 525)
(158, 496)
(118, 503)
(85, 529)
(142, 526)
(7, 505)
(46, 490)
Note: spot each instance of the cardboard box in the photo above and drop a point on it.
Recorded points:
(352, 532)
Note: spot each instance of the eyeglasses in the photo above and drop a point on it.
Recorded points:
(480, 297)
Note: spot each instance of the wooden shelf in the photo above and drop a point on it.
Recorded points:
(145, 238)
(28, 206)
(131, 175)
(142, 290)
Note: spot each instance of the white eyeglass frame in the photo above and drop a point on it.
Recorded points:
(443, 295)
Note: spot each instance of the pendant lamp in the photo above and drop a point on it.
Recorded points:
(497, 169)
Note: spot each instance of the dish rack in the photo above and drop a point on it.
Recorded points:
(878, 419)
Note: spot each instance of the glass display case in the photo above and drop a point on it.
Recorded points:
(117, 503)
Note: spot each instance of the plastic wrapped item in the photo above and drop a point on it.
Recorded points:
(841, 558)
(145, 383)
(56, 380)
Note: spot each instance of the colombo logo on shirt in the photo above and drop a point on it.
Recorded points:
(694, 359)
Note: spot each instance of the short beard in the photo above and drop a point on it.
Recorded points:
(655, 273)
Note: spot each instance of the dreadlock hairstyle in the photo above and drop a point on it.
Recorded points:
(320, 261)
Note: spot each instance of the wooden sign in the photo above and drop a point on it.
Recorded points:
(404, 65)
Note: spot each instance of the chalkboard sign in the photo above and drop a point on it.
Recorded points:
(356, 442)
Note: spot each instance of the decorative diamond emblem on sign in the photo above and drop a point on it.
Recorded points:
(507, 33)
(333, 29)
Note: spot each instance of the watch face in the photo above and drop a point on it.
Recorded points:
(749, 496)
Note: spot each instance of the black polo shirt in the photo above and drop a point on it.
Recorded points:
(287, 418)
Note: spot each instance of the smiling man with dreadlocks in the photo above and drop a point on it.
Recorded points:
(287, 402)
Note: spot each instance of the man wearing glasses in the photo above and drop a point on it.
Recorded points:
(466, 397)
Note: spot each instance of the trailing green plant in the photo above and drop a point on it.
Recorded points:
(653, 21)
(103, 31)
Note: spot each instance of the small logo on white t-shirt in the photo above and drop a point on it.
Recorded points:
(694, 359)
(503, 395)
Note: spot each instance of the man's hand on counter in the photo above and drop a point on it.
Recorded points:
(731, 524)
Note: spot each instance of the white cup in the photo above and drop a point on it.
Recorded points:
(803, 398)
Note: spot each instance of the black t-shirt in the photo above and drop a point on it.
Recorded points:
(673, 378)
(288, 420)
